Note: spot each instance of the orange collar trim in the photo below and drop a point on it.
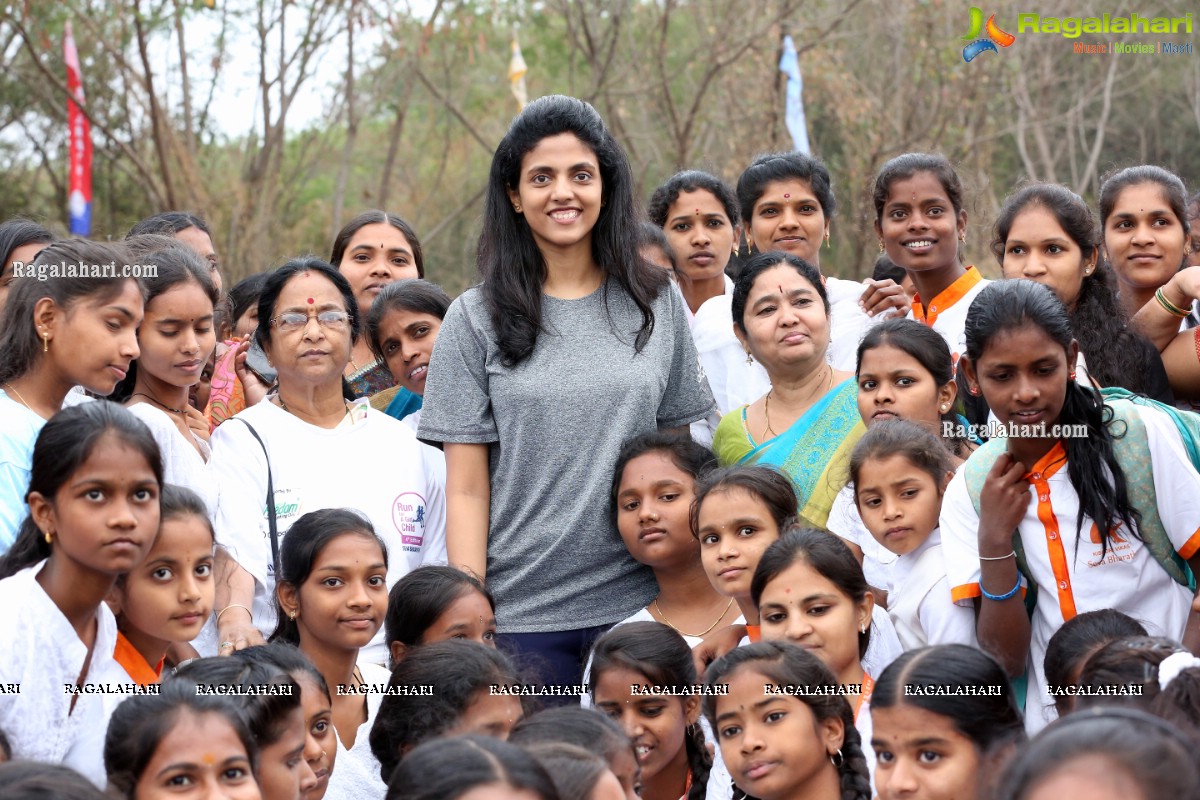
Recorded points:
(946, 298)
(135, 663)
(1048, 464)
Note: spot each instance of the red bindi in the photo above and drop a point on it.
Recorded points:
(310, 301)
(786, 196)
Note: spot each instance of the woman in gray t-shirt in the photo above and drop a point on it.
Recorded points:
(570, 346)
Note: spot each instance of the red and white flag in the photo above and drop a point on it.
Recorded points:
(80, 198)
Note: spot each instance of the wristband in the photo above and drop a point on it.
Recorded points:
(234, 605)
(999, 597)
(1170, 307)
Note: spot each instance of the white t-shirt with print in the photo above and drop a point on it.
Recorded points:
(370, 463)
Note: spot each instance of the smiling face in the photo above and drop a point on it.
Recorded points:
(1143, 238)
(919, 226)
(657, 726)
(894, 385)
(93, 342)
(559, 192)
(701, 235)
(735, 529)
(406, 339)
(653, 502)
(105, 516)
(919, 755)
(169, 596)
(344, 599)
(316, 353)
(283, 774)
(177, 336)
(376, 255)
(785, 322)
(1038, 249)
(201, 757)
(320, 744)
(773, 745)
(802, 606)
(899, 502)
(788, 217)
(1023, 376)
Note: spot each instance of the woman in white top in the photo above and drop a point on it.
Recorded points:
(175, 339)
(58, 333)
(324, 452)
(94, 514)
(786, 203)
(1103, 498)
(331, 599)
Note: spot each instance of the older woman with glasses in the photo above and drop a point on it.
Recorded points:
(309, 447)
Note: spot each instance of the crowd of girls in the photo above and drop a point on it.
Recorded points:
(785, 535)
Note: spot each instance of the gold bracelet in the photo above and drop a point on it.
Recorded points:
(1167, 305)
(235, 605)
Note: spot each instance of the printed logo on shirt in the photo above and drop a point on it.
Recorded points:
(408, 515)
(288, 504)
(1119, 548)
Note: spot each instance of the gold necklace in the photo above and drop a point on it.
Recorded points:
(658, 608)
(767, 404)
(24, 402)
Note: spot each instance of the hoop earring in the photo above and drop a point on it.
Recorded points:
(837, 759)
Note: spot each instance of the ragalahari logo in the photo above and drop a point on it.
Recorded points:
(994, 37)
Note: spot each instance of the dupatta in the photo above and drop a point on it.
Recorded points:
(815, 451)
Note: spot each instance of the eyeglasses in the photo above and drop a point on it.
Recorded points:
(292, 321)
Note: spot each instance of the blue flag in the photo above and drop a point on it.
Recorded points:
(789, 65)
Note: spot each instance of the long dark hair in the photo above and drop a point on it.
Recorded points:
(827, 554)
(64, 444)
(1009, 305)
(512, 267)
(139, 724)
(663, 657)
(786, 664)
(19, 340)
(37, 780)
(18, 232)
(1077, 640)
(989, 720)
(373, 217)
(1116, 354)
(300, 549)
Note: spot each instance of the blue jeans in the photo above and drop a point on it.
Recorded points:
(555, 659)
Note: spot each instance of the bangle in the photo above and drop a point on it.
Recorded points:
(1005, 596)
(234, 605)
(1013, 554)
(1170, 307)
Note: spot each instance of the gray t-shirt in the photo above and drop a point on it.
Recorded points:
(555, 423)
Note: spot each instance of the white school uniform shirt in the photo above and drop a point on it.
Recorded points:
(947, 313)
(920, 604)
(183, 464)
(41, 654)
(846, 522)
(371, 463)
(1127, 578)
(356, 772)
(734, 382)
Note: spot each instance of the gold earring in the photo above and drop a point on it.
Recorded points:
(749, 358)
(962, 237)
(827, 239)
(881, 245)
(517, 208)
(293, 616)
(45, 342)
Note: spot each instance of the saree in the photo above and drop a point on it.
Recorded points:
(226, 397)
(814, 452)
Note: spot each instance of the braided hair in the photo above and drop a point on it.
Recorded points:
(786, 664)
